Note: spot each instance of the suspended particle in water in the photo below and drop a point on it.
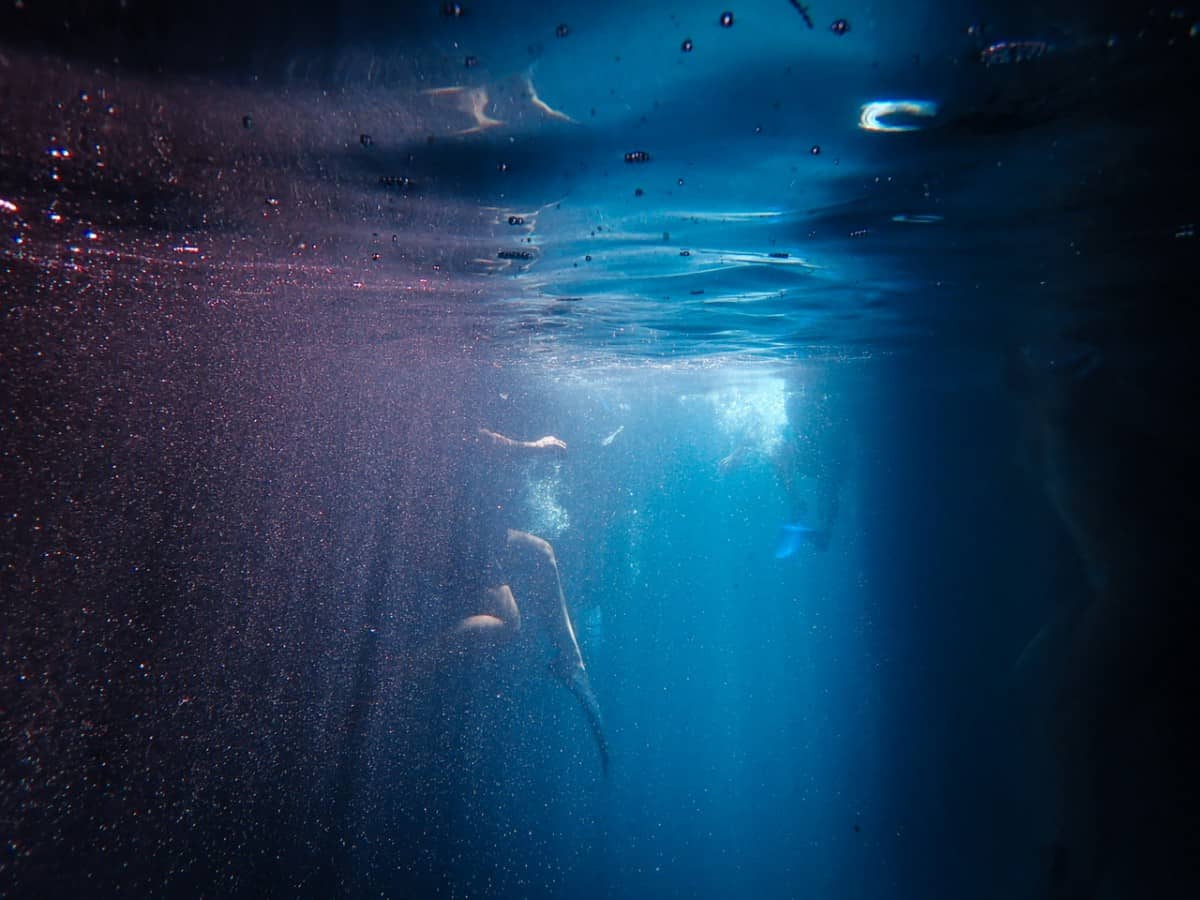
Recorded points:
(680, 182)
(502, 167)
(471, 62)
(638, 192)
(366, 140)
(859, 232)
(637, 156)
(515, 220)
(726, 19)
(562, 31)
(375, 257)
(687, 46)
(403, 182)
(685, 252)
(247, 122)
(272, 201)
(514, 254)
(453, 10)
(666, 235)
(758, 129)
(840, 27)
(588, 258)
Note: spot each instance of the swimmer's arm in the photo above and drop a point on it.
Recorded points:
(496, 439)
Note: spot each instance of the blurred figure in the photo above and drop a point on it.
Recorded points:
(513, 557)
(1105, 439)
(811, 463)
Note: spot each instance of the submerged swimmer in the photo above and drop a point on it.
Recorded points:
(811, 464)
(528, 563)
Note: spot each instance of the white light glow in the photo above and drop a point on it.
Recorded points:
(871, 116)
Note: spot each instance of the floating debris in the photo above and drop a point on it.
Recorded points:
(562, 31)
(840, 27)
(588, 258)
(8, 206)
(375, 257)
(685, 252)
(637, 156)
(917, 218)
(607, 441)
(403, 182)
(366, 140)
(804, 14)
(860, 232)
(726, 20)
(816, 150)
(1009, 52)
(687, 46)
(515, 254)
(272, 201)
(516, 220)
(638, 192)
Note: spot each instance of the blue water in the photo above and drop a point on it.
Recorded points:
(873, 518)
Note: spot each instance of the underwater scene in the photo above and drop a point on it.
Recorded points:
(598, 450)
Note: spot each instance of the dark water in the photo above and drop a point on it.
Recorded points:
(265, 272)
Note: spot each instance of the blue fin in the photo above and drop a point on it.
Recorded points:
(790, 539)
